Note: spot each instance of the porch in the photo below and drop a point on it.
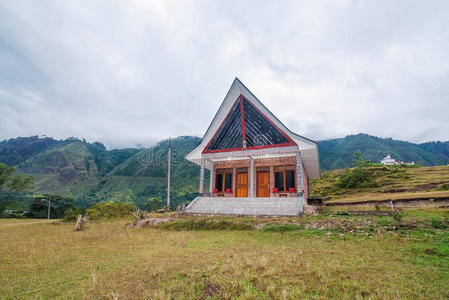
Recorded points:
(264, 173)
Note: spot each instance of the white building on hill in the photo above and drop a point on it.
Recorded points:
(388, 160)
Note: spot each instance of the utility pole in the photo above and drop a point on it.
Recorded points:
(48, 211)
(168, 173)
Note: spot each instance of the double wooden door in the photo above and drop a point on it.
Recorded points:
(263, 184)
(242, 185)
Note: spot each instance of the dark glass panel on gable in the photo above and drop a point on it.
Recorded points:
(259, 131)
(229, 135)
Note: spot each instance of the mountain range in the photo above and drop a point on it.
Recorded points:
(89, 172)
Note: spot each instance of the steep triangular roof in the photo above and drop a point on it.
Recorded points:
(264, 129)
(244, 128)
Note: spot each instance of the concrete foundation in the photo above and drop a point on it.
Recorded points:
(275, 206)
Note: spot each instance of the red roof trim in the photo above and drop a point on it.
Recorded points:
(240, 98)
(216, 132)
(223, 150)
(270, 146)
(242, 115)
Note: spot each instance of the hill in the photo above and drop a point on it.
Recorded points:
(89, 172)
(385, 184)
(338, 153)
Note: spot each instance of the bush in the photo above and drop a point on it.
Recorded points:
(71, 214)
(357, 177)
(445, 187)
(438, 224)
(110, 209)
(281, 227)
(205, 224)
(397, 217)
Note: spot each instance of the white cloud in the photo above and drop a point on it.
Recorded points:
(129, 73)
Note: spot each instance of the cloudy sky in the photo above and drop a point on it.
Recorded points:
(130, 73)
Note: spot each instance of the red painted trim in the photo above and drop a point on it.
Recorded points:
(223, 150)
(242, 115)
(216, 132)
(269, 146)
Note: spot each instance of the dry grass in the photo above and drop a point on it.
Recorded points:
(390, 196)
(392, 183)
(109, 260)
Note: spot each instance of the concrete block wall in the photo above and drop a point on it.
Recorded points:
(281, 206)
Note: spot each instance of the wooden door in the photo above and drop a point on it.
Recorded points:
(263, 184)
(242, 185)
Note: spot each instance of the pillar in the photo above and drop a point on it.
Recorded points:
(299, 175)
(202, 178)
(234, 182)
(211, 182)
(271, 179)
(251, 181)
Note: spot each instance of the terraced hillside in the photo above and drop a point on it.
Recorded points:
(388, 183)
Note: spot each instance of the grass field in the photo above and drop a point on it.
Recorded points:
(324, 256)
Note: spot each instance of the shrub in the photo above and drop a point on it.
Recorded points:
(342, 213)
(377, 206)
(438, 224)
(281, 227)
(357, 177)
(397, 217)
(71, 214)
(445, 187)
(205, 224)
(110, 209)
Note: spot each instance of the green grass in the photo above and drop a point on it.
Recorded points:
(323, 256)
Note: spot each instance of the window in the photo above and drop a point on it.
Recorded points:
(284, 179)
(223, 181)
(289, 179)
(228, 181)
(279, 181)
(219, 182)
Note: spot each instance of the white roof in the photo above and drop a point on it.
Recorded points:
(307, 147)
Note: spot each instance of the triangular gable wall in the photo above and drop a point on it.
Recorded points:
(229, 136)
(246, 127)
(259, 130)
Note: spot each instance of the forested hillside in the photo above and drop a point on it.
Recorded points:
(89, 172)
(338, 153)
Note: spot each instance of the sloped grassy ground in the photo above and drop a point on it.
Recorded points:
(390, 183)
(325, 256)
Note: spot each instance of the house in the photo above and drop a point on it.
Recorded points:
(388, 160)
(257, 165)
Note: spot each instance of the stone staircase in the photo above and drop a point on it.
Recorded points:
(283, 206)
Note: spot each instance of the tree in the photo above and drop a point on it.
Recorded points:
(58, 206)
(12, 184)
(359, 161)
(358, 176)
